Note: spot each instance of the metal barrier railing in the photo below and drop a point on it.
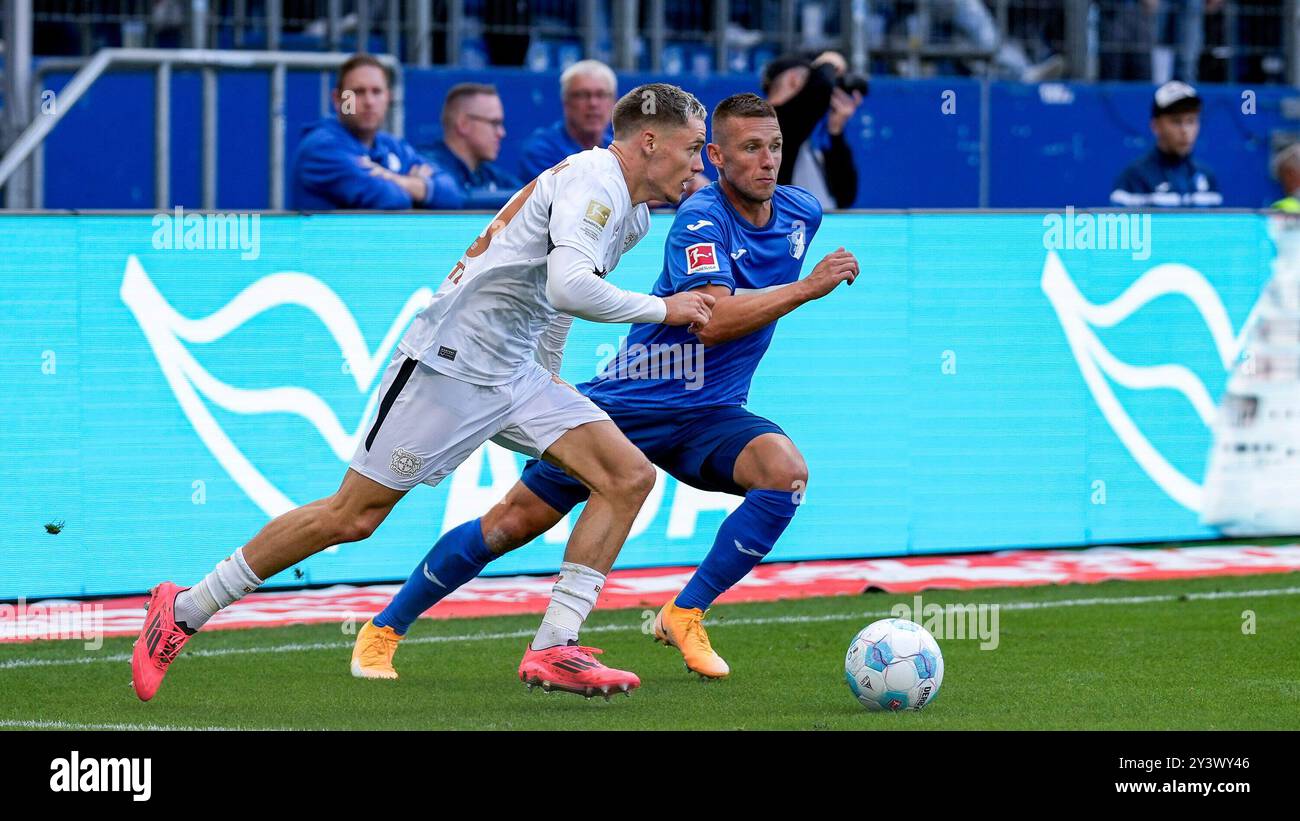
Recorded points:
(28, 145)
(425, 32)
(1234, 40)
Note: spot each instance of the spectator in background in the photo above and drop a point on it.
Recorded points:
(473, 125)
(975, 22)
(1286, 170)
(1181, 28)
(348, 162)
(813, 110)
(588, 89)
(1168, 175)
(1126, 38)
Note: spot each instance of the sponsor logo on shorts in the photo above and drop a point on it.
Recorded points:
(405, 463)
(447, 353)
(701, 258)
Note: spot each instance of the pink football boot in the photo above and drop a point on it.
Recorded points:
(160, 640)
(573, 669)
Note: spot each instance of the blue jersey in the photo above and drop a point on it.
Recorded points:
(664, 366)
(549, 145)
(1160, 179)
(488, 187)
(332, 169)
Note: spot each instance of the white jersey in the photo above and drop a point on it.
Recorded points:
(483, 324)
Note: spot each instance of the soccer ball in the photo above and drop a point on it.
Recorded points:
(894, 664)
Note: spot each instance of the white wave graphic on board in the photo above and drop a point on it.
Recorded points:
(1100, 367)
(170, 336)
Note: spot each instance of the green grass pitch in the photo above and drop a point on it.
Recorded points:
(1118, 655)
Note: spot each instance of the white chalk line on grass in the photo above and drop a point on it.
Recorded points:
(10, 724)
(24, 663)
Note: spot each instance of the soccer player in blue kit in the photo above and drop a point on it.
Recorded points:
(743, 241)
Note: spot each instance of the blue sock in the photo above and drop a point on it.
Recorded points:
(746, 536)
(460, 555)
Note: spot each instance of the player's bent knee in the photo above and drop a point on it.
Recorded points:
(783, 474)
(360, 527)
(352, 523)
(629, 483)
(640, 480)
(508, 526)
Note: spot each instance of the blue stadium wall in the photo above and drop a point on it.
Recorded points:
(938, 400)
(1050, 145)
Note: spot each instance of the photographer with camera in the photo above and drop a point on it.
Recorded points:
(814, 97)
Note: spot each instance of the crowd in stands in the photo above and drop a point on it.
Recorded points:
(1139, 40)
(348, 162)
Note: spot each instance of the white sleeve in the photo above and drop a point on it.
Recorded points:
(574, 288)
(550, 348)
(584, 214)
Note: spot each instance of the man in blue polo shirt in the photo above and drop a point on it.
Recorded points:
(588, 89)
(348, 162)
(1169, 175)
(473, 125)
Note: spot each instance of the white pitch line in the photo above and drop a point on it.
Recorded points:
(16, 664)
(69, 725)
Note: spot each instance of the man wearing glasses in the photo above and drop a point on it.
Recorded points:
(588, 89)
(473, 125)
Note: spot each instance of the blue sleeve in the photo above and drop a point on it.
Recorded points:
(441, 191)
(332, 172)
(815, 214)
(444, 191)
(694, 258)
(1129, 180)
(504, 179)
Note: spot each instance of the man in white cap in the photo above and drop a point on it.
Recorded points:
(1169, 175)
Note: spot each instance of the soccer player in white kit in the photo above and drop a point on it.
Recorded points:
(470, 370)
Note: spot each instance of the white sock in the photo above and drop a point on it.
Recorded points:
(230, 581)
(572, 598)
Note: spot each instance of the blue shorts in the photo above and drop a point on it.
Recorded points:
(697, 447)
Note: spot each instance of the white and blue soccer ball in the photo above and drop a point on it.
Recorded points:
(894, 664)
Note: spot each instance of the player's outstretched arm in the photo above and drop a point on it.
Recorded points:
(736, 315)
(573, 288)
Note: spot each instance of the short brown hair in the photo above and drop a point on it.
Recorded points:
(655, 104)
(458, 92)
(357, 61)
(740, 105)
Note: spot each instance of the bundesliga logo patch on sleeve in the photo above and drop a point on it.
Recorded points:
(598, 213)
(593, 222)
(701, 258)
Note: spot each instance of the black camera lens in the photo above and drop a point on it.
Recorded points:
(852, 82)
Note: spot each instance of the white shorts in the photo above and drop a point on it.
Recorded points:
(428, 423)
